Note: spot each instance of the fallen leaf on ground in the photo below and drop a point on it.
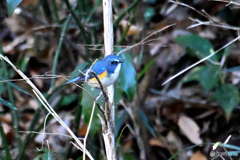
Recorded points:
(190, 129)
(198, 156)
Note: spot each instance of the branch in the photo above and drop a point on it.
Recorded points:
(108, 130)
(200, 61)
(211, 22)
(101, 87)
(228, 2)
(89, 126)
(46, 104)
(143, 41)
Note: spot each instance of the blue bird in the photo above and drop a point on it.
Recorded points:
(107, 70)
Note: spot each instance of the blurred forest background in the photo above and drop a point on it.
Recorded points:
(50, 40)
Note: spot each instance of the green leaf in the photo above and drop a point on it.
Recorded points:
(200, 46)
(127, 77)
(193, 75)
(119, 123)
(16, 87)
(44, 156)
(148, 14)
(117, 93)
(23, 63)
(146, 68)
(12, 5)
(128, 156)
(66, 100)
(76, 72)
(227, 96)
(47, 156)
(119, 137)
(143, 117)
(2, 88)
(80, 158)
(87, 104)
(209, 76)
(226, 51)
(233, 69)
(8, 104)
(150, 1)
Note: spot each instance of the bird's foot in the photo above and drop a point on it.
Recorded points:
(104, 98)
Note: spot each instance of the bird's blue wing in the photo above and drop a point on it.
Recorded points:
(98, 68)
(98, 71)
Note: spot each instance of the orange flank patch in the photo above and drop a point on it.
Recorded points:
(101, 76)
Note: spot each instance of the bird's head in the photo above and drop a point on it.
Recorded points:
(113, 63)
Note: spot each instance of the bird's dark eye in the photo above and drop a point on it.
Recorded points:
(114, 62)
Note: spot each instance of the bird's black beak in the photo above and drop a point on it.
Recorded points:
(121, 61)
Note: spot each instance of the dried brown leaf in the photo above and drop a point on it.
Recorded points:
(156, 142)
(190, 129)
(198, 156)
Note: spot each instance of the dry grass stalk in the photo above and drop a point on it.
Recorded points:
(46, 105)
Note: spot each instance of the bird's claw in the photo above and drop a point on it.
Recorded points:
(104, 98)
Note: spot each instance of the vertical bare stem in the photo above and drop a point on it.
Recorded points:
(108, 131)
(108, 26)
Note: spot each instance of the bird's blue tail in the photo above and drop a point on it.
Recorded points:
(76, 80)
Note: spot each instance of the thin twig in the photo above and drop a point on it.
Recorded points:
(228, 2)
(211, 21)
(49, 150)
(89, 70)
(185, 5)
(89, 126)
(99, 107)
(46, 104)
(104, 94)
(33, 77)
(52, 134)
(142, 41)
(120, 17)
(200, 61)
(44, 128)
(34, 121)
(86, 77)
(136, 127)
(101, 87)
